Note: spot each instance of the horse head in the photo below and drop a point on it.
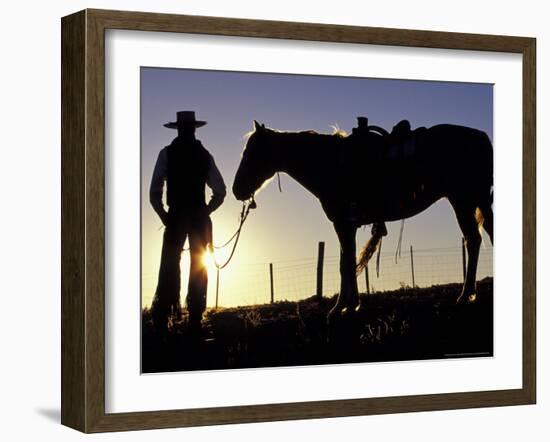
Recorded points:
(257, 163)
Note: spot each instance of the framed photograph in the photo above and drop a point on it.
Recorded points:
(266, 220)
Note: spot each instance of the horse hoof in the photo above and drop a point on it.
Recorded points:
(338, 312)
(464, 299)
(341, 310)
(347, 311)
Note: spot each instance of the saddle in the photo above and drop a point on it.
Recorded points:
(371, 158)
(368, 143)
(401, 142)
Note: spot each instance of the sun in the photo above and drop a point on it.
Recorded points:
(208, 261)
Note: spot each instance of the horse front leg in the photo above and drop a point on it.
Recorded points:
(348, 297)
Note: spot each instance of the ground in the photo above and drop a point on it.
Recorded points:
(406, 324)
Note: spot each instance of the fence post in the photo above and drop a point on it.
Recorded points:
(217, 285)
(412, 266)
(271, 281)
(320, 262)
(367, 279)
(463, 259)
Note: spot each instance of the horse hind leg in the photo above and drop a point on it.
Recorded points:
(487, 219)
(468, 222)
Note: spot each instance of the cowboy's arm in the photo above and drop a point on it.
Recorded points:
(157, 186)
(214, 180)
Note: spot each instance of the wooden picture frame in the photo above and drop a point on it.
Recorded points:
(83, 220)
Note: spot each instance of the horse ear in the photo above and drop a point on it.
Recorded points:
(258, 126)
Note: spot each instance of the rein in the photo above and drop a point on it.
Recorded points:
(247, 206)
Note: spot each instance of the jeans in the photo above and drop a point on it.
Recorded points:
(196, 226)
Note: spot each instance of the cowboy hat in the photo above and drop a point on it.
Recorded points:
(185, 118)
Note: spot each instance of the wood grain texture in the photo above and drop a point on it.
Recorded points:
(307, 410)
(95, 222)
(144, 21)
(83, 220)
(73, 254)
(529, 220)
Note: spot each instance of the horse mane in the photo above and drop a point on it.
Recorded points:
(336, 132)
(325, 139)
(248, 134)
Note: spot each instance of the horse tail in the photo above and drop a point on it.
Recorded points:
(484, 210)
(369, 250)
(486, 141)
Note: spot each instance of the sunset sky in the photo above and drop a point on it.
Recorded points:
(287, 225)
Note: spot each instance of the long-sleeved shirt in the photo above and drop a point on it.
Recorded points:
(214, 180)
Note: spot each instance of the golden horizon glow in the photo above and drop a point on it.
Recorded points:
(209, 262)
(286, 227)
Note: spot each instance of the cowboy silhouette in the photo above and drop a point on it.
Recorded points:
(186, 167)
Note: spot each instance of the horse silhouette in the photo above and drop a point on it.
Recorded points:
(374, 177)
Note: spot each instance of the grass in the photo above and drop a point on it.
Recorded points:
(405, 324)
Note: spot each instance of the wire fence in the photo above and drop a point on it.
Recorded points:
(298, 279)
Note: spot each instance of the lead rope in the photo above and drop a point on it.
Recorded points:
(247, 206)
(244, 214)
